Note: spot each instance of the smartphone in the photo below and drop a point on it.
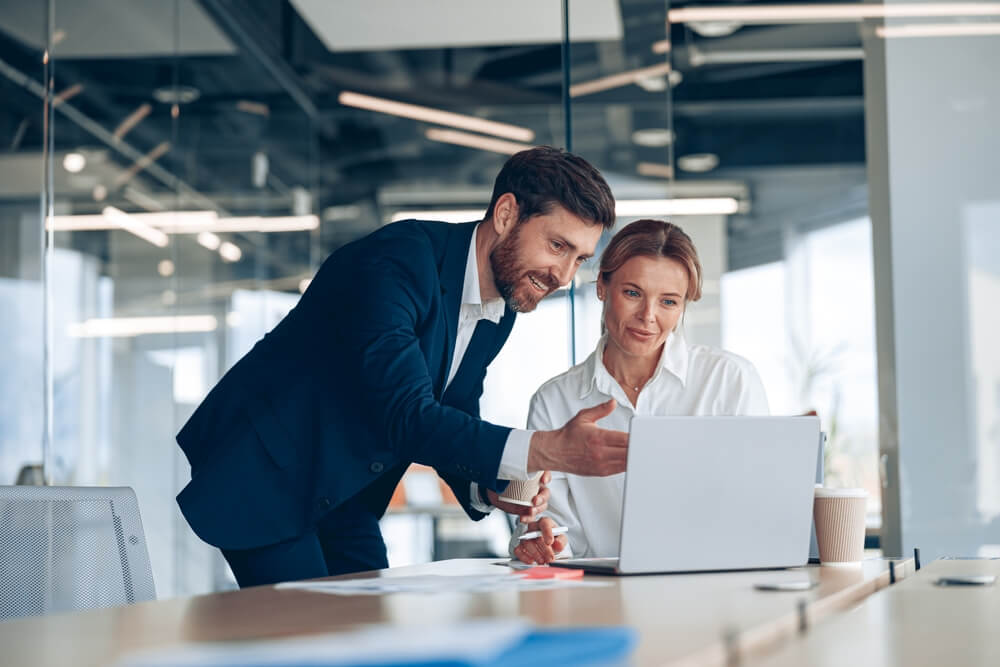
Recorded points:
(967, 580)
(785, 585)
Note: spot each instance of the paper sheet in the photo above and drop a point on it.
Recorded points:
(434, 583)
(468, 642)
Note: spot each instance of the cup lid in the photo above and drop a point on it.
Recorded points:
(822, 492)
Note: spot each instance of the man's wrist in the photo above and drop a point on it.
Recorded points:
(537, 459)
(484, 495)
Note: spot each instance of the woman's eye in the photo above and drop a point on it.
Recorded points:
(556, 245)
(669, 302)
(631, 292)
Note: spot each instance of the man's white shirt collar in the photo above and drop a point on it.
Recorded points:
(472, 300)
(673, 360)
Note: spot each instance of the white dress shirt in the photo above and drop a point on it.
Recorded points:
(514, 462)
(690, 380)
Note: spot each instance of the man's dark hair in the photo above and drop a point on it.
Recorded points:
(543, 177)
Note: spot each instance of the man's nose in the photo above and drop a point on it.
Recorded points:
(564, 272)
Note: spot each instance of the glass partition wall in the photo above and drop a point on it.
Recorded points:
(196, 161)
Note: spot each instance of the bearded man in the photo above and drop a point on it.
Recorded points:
(296, 451)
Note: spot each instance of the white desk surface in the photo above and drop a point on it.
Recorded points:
(690, 619)
(912, 623)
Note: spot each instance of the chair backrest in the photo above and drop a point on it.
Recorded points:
(67, 548)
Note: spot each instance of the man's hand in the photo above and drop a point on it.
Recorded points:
(581, 446)
(541, 550)
(538, 504)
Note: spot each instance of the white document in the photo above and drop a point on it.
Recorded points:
(435, 583)
(465, 642)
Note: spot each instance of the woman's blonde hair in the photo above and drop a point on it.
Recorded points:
(653, 238)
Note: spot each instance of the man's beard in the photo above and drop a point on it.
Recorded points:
(508, 274)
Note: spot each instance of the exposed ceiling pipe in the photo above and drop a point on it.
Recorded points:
(156, 171)
(283, 74)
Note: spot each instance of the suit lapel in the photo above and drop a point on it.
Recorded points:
(487, 340)
(456, 255)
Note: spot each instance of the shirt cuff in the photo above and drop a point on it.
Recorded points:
(514, 462)
(477, 502)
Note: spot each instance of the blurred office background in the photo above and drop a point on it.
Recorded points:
(195, 161)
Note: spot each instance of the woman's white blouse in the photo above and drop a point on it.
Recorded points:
(690, 380)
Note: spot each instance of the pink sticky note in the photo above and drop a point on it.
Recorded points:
(545, 572)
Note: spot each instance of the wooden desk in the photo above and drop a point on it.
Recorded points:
(912, 623)
(696, 619)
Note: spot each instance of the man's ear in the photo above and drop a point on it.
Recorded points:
(505, 214)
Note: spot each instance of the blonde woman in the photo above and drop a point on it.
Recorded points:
(648, 275)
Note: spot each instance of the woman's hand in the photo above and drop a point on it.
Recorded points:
(541, 550)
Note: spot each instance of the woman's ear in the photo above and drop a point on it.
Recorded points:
(600, 290)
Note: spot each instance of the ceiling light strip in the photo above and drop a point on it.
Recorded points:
(230, 252)
(678, 206)
(67, 94)
(623, 208)
(938, 30)
(699, 58)
(456, 215)
(661, 47)
(118, 218)
(209, 240)
(476, 141)
(140, 164)
(188, 222)
(821, 13)
(438, 116)
(655, 169)
(617, 80)
(132, 120)
(121, 327)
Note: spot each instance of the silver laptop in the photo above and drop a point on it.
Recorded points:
(715, 493)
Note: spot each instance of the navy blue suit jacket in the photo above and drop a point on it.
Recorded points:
(345, 393)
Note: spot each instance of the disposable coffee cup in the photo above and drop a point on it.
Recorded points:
(521, 493)
(840, 525)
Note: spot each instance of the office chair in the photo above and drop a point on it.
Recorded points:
(69, 548)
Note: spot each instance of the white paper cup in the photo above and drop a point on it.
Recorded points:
(521, 493)
(840, 525)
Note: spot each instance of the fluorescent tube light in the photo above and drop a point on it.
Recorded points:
(140, 164)
(209, 240)
(699, 57)
(662, 46)
(938, 30)
(230, 252)
(655, 169)
(438, 116)
(822, 13)
(119, 327)
(67, 94)
(189, 222)
(617, 80)
(457, 215)
(118, 218)
(476, 141)
(256, 108)
(623, 208)
(132, 120)
(288, 223)
(681, 206)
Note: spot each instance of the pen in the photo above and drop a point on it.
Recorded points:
(558, 530)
